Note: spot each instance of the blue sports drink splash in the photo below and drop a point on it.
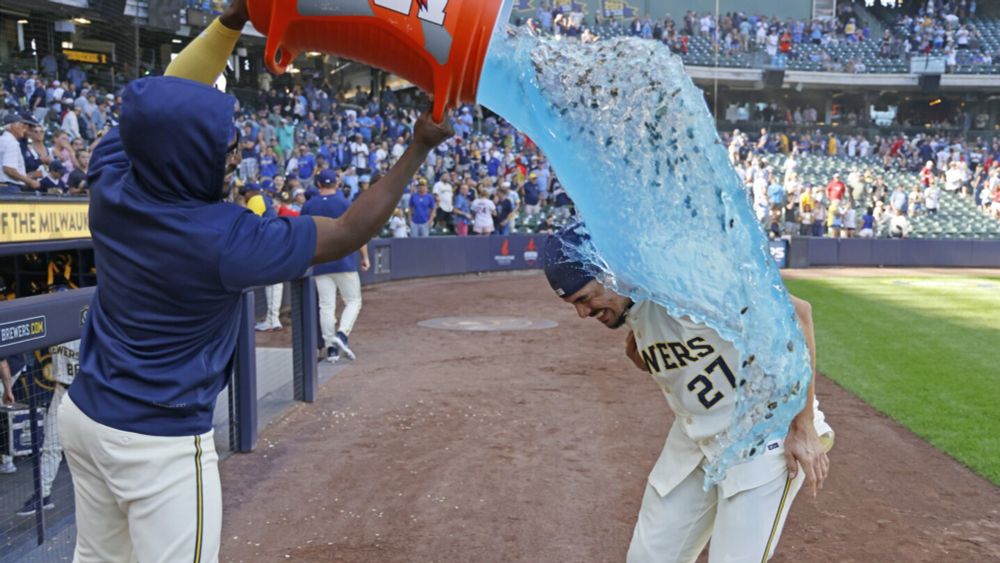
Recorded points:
(632, 141)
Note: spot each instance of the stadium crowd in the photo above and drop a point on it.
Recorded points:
(859, 201)
(484, 180)
(939, 27)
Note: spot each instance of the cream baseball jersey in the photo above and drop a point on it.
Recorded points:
(697, 371)
(65, 361)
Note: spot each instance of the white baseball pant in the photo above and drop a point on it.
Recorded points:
(743, 528)
(153, 499)
(349, 284)
(274, 293)
(51, 446)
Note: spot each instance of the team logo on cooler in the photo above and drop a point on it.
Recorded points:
(531, 252)
(432, 11)
(504, 258)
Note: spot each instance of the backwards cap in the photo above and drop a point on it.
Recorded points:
(566, 273)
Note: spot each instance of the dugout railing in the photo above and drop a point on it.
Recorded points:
(36, 335)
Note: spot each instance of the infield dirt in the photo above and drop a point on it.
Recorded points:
(534, 447)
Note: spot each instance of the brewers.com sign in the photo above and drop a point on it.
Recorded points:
(23, 330)
(30, 221)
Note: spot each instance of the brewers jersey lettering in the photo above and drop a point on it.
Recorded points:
(697, 371)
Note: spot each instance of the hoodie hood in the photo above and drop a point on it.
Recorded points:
(177, 133)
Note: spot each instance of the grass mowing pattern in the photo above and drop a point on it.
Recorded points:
(925, 351)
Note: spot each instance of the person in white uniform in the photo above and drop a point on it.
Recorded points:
(65, 363)
(697, 371)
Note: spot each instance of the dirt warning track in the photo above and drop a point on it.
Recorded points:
(534, 446)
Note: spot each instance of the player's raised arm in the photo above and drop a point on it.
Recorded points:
(336, 238)
(802, 445)
(204, 59)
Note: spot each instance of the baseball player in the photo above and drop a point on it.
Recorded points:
(339, 275)
(173, 259)
(696, 370)
(65, 362)
(261, 202)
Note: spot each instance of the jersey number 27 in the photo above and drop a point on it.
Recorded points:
(706, 397)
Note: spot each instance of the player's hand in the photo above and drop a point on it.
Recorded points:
(8, 397)
(365, 264)
(427, 134)
(802, 448)
(236, 15)
(632, 351)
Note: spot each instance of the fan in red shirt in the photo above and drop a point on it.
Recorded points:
(836, 189)
(292, 206)
(897, 145)
(927, 174)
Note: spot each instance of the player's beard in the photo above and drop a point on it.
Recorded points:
(621, 320)
(618, 323)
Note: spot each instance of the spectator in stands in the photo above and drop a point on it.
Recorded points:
(562, 204)
(898, 199)
(36, 153)
(71, 121)
(463, 211)
(65, 151)
(53, 183)
(397, 224)
(776, 195)
(422, 207)
(340, 275)
(954, 177)
(991, 202)
(850, 220)
(444, 194)
(932, 199)
(13, 175)
(867, 224)
(484, 210)
(532, 195)
(834, 219)
(819, 215)
(359, 154)
(915, 202)
(899, 225)
(505, 210)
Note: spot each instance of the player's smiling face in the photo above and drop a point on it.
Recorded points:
(596, 301)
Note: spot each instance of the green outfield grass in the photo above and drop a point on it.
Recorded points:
(925, 351)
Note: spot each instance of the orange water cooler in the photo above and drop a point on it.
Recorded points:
(439, 45)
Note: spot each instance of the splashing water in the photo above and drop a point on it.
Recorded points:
(632, 141)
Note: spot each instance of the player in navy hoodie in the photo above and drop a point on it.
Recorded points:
(173, 259)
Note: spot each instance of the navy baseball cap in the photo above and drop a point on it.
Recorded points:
(268, 186)
(15, 117)
(327, 178)
(566, 273)
(251, 187)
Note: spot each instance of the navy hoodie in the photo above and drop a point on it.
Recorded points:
(172, 261)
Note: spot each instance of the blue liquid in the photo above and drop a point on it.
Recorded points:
(632, 141)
